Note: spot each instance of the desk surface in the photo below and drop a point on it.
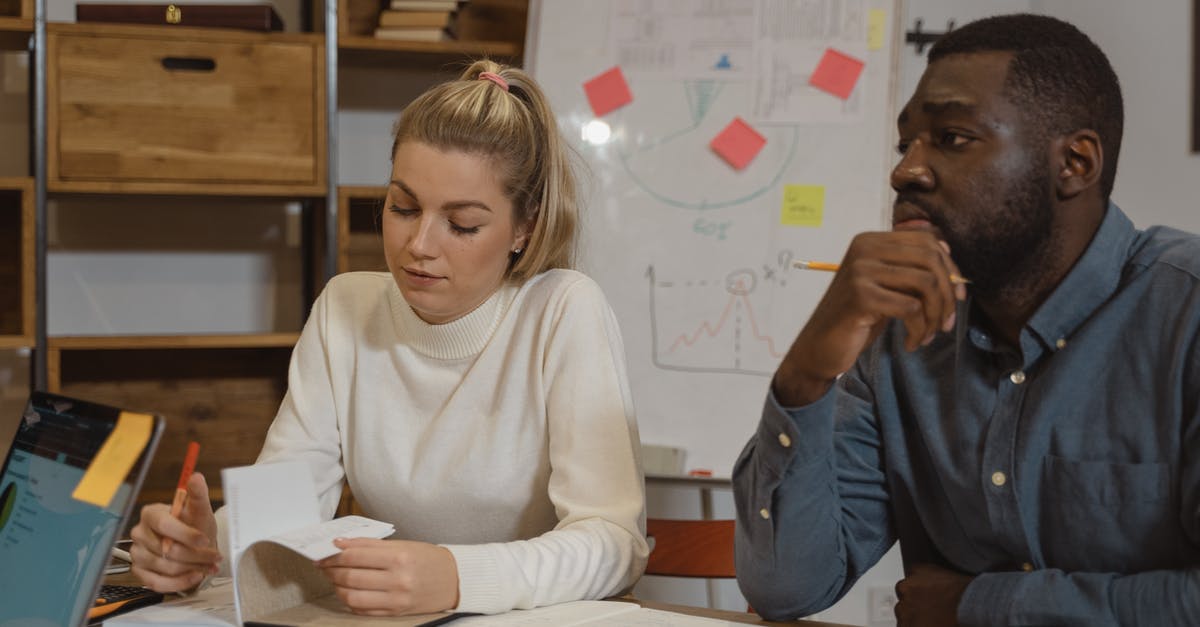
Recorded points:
(733, 617)
(127, 579)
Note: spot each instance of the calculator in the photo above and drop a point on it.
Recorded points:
(114, 599)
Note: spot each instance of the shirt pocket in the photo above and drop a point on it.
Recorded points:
(1105, 516)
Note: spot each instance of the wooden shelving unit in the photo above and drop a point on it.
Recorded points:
(15, 32)
(138, 342)
(251, 127)
(485, 28)
(359, 244)
(198, 111)
(16, 263)
(222, 391)
(16, 26)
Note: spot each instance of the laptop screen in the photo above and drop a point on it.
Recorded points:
(54, 546)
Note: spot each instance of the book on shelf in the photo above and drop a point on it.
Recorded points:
(429, 33)
(426, 5)
(414, 19)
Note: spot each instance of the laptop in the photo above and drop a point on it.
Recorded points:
(67, 487)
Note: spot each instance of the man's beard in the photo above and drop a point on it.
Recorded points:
(1003, 252)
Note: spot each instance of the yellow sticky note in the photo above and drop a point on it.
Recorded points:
(803, 205)
(114, 459)
(876, 28)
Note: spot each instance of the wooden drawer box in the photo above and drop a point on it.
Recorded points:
(185, 110)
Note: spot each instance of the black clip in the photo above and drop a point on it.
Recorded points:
(922, 39)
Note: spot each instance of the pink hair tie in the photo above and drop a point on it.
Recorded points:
(495, 78)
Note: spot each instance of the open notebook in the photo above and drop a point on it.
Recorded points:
(67, 485)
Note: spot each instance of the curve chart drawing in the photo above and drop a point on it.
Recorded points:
(717, 325)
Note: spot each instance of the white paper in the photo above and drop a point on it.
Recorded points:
(278, 503)
(210, 607)
(316, 541)
(591, 614)
(264, 500)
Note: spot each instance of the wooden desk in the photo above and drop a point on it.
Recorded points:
(726, 615)
(745, 618)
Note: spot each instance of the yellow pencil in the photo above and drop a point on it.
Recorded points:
(833, 267)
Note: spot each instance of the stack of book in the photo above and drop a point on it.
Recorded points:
(418, 20)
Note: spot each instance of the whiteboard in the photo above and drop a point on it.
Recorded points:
(694, 255)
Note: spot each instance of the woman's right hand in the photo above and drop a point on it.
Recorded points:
(193, 553)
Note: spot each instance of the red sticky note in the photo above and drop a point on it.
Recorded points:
(837, 73)
(738, 144)
(608, 91)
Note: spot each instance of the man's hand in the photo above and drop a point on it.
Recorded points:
(929, 596)
(392, 577)
(904, 275)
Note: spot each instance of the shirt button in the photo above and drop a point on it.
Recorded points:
(1027, 567)
(1017, 377)
(784, 440)
(765, 513)
(1061, 343)
(998, 479)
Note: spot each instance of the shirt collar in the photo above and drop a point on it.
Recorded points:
(1093, 279)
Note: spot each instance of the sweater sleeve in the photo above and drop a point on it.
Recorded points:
(598, 548)
(811, 501)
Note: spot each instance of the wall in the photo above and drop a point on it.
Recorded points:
(1150, 46)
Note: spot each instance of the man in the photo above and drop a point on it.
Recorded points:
(1031, 438)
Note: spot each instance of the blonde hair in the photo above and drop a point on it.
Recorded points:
(516, 129)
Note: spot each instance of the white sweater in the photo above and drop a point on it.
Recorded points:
(507, 435)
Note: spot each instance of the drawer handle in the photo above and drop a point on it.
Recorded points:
(189, 64)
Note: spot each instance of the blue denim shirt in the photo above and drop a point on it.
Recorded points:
(1065, 472)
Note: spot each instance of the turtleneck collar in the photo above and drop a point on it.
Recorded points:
(457, 339)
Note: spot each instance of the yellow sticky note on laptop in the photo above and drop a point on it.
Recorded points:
(116, 456)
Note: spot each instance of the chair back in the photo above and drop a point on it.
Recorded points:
(690, 548)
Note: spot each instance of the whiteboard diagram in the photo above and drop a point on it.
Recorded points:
(694, 255)
(689, 114)
(723, 324)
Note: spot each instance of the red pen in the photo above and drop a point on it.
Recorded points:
(189, 465)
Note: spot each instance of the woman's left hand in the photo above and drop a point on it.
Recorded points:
(392, 577)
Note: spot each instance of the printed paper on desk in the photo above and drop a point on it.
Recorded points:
(591, 614)
(275, 535)
(210, 607)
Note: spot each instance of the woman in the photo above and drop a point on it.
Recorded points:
(475, 396)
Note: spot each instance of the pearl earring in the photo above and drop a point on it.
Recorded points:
(518, 251)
